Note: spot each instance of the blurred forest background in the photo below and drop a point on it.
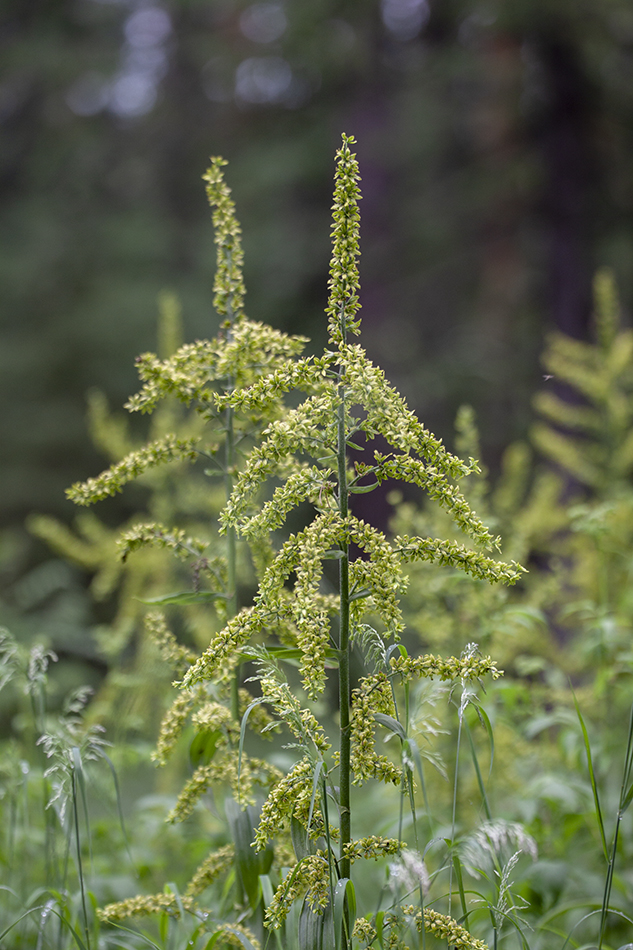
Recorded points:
(495, 143)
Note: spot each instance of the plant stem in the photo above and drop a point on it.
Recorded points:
(80, 871)
(231, 541)
(626, 779)
(344, 655)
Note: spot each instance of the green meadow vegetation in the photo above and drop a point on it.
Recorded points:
(312, 731)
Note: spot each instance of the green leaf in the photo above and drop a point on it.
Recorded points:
(344, 892)
(202, 749)
(380, 923)
(363, 489)
(315, 930)
(392, 724)
(119, 804)
(627, 799)
(267, 889)
(247, 712)
(315, 788)
(128, 930)
(184, 598)
(290, 655)
(243, 939)
(483, 717)
(413, 751)
(457, 865)
(163, 926)
(592, 777)
(359, 594)
(301, 844)
(248, 861)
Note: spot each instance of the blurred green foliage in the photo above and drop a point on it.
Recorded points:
(495, 141)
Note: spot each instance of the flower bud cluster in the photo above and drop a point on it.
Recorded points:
(443, 927)
(467, 667)
(310, 878)
(229, 284)
(235, 935)
(374, 846)
(364, 931)
(168, 449)
(380, 574)
(178, 656)
(144, 906)
(344, 281)
(196, 372)
(298, 431)
(433, 480)
(291, 796)
(373, 695)
(452, 554)
(224, 770)
(211, 868)
(174, 722)
(157, 535)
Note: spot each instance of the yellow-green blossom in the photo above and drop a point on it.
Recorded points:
(444, 928)
(224, 770)
(230, 936)
(211, 868)
(174, 722)
(310, 878)
(178, 656)
(364, 931)
(374, 846)
(449, 668)
(291, 796)
(229, 284)
(344, 281)
(145, 905)
(168, 449)
(373, 695)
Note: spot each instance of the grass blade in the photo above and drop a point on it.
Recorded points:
(592, 777)
(344, 894)
(480, 781)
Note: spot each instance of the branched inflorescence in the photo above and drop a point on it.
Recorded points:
(302, 448)
(247, 372)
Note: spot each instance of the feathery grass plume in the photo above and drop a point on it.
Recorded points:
(347, 404)
(595, 445)
(591, 439)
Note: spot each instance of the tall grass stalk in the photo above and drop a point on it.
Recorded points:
(626, 796)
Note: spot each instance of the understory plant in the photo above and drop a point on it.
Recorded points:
(329, 587)
(561, 714)
(284, 615)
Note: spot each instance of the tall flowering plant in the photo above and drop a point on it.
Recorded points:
(308, 452)
(317, 453)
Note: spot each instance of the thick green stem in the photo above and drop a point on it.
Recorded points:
(231, 543)
(344, 655)
(344, 644)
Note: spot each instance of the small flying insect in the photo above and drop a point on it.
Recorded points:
(546, 377)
